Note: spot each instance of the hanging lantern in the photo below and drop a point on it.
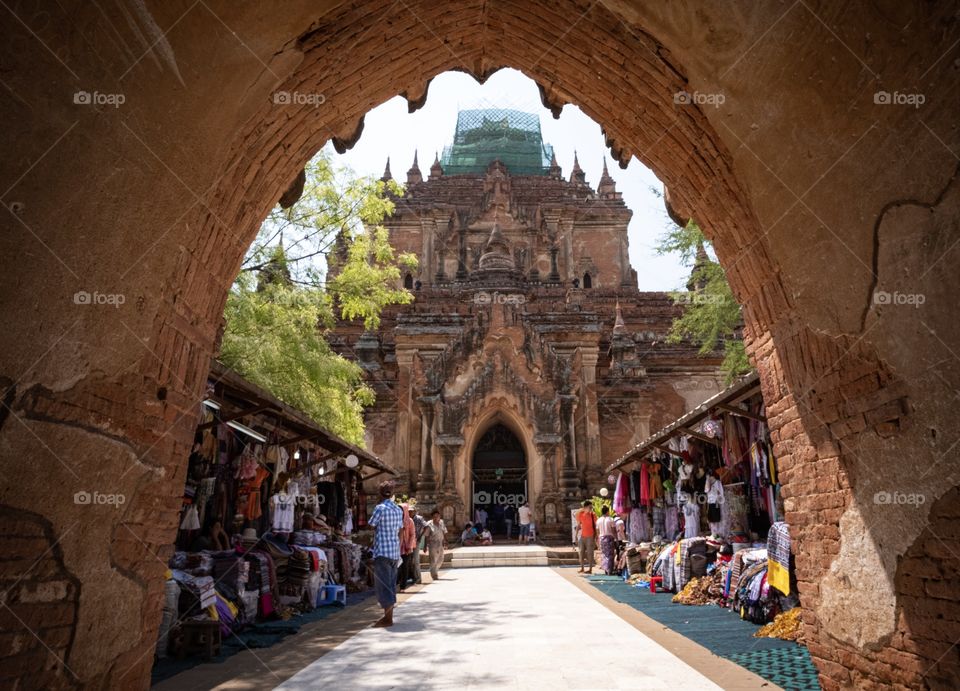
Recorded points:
(604, 491)
(352, 461)
(712, 428)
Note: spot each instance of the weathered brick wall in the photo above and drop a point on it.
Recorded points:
(816, 198)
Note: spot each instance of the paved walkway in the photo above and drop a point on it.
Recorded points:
(501, 628)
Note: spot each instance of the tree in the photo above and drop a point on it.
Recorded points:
(711, 317)
(285, 299)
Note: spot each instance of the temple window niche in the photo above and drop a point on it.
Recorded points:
(587, 281)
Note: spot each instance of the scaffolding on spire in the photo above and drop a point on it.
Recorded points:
(484, 135)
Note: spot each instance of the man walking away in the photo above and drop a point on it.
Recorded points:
(387, 521)
(525, 515)
(586, 535)
(434, 533)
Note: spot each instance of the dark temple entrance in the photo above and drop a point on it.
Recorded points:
(499, 478)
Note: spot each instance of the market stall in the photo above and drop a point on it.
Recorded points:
(701, 499)
(272, 507)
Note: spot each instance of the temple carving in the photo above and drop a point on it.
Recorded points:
(527, 326)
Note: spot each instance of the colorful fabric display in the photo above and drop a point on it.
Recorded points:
(621, 494)
(778, 557)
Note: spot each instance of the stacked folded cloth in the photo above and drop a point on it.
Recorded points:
(232, 570)
(279, 551)
(201, 586)
(309, 537)
(297, 574)
(195, 563)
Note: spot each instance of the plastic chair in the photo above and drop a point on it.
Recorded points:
(654, 582)
(330, 594)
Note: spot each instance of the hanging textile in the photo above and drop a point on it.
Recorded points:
(671, 519)
(691, 519)
(659, 517)
(735, 440)
(621, 494)
(638, 526)
(778, 557)
(645, 485)
(656, 486)
(634, 488)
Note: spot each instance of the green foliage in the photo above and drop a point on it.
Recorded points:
(711, 317)
(599, 502)
(273, 339)
(364, 284)
(282, 301)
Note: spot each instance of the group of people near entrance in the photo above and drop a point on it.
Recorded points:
(400, 535)
(611, 531)
(478, 532)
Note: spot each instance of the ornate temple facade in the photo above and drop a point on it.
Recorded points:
(529, 360)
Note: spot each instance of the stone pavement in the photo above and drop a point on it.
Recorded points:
(510, 628)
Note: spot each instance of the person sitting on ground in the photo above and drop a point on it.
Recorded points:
(486, 538)
(469, 536)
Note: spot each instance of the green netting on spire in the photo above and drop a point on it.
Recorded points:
(487, 134)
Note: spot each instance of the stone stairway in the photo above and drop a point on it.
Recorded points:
(509, 555)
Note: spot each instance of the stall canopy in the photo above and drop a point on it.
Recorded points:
(245, 404)
(727, 401)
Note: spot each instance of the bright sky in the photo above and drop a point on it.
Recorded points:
(390, 131)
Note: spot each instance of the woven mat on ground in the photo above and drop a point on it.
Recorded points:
(722, 632)
(260, 635)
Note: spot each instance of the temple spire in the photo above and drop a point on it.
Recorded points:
(414, 175)
(436, 170)
(387, 175)
(619, 327)
(554, 166)
(607, 187)
(577, 175)
(698, 279)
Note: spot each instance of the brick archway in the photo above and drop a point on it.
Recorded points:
(818, 198)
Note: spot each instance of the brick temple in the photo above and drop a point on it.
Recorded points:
(529, 360)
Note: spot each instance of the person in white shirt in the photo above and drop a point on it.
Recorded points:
(525, 514)
(434, 537)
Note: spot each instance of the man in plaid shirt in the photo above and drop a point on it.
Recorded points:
(387, 520)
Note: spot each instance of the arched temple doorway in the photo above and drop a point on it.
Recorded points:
(498, 474)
